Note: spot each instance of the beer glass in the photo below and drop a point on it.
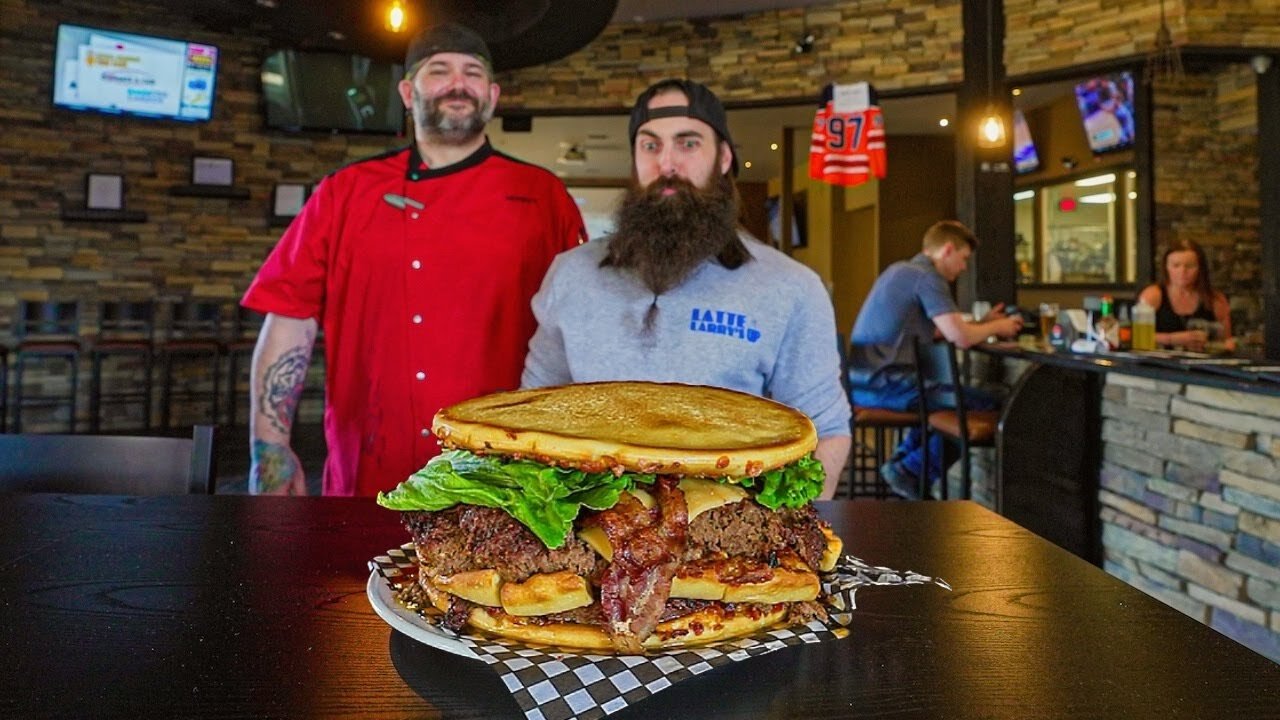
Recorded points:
(1048, 318)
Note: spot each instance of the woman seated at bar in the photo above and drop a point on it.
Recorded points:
(1185, 294)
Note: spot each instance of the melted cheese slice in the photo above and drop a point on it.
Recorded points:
(544, 594)
(478, 586)
(700, 495)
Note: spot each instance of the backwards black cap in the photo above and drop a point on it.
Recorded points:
(445, 37)
(703, 105)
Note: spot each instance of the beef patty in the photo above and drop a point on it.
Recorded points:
(470, 537)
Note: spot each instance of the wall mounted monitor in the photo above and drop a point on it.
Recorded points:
(332, 91)
(1025, 158)
(1106, 107)
(121, 73)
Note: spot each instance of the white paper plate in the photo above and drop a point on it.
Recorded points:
(408, 622)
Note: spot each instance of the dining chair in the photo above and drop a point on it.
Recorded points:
(886, 428)
(109, 464)
(966, 427)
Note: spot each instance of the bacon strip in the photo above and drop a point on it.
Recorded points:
(648, 545)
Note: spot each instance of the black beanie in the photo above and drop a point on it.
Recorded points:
(446, 37)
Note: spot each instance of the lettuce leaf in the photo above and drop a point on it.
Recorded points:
(793, 486)
(544, 499)
(547, 499)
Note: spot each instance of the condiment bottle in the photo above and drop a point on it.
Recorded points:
(1126, 329)
(1144, 326)
(1107, 327)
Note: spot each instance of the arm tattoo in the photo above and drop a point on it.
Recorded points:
(273, 466)
(282, 387)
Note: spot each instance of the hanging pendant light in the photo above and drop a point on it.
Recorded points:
(991, 131)
(396, 19)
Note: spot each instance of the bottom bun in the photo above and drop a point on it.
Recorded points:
(713, 623)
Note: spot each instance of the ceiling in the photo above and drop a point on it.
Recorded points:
(656, 10)
(520, 33)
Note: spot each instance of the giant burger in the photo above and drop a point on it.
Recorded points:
(619, 516)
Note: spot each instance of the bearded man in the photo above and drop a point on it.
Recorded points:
(679, 293)
(418, 265)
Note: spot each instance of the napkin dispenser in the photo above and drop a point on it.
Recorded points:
(1072, 325)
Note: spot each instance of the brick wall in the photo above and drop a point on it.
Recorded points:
(1047, 35)
(189, 247)
(891, 43)
(1206, 182)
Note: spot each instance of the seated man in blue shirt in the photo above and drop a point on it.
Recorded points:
(911, 301)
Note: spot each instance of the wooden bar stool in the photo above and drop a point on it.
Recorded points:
(126, 330)
(48, 333)
(967, 428)
(193, 347)
(886, 427)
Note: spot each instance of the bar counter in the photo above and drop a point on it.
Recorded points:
(1165, 474)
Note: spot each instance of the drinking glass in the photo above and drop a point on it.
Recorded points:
(1048, 318)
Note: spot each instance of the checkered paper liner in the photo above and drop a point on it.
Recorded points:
(551, 684)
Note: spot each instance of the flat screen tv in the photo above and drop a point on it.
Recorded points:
(125, 74)
(1025, 158)
(332, 91)
(1106, 107)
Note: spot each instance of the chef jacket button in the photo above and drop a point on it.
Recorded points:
(416, 264)
(426, 432)
(417, 319)
(414, 216)
(421, 375)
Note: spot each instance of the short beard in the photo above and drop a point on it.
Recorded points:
(433, 121)
(663, 239)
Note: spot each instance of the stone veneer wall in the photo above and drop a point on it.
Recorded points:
(891, 43)
(1206, 182)
(1189, 498)
(1043, 36)
(1190, 495)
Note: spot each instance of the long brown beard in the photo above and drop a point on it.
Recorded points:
(663, 238)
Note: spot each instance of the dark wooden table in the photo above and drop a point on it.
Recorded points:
(235, 606)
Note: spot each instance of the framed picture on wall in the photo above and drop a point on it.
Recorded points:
(287, 199)
(212, 171)
(104, 191)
